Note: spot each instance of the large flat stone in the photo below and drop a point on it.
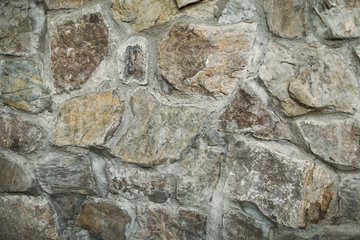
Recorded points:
(210, 60)
(290, 191)
(26, 217)
(158, 132)
(89, 119)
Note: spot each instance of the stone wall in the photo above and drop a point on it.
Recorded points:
(179, 119)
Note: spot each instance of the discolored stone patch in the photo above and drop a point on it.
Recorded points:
(77, 48)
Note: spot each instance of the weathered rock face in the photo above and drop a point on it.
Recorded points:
(60, 4)
(291, 192)
(159, 132)
(67, 205)
(25, 217)
(349, 193)
(18, 134)
(77, 48)
(87, 120)
(22, 86)
(340, 16)
(286, 18)
(207, 59)
(103, 218)
(156, 222)
(183, 3)
(337, 143)
(236, 11)
(318, 78)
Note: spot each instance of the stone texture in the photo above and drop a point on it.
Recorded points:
(67, 204)
(61, 4)
(156, 222)
(18, 134)
(337, 142)
(25, 217)
(237, 11)
(62, 173)
(183, 3)
(103, 218)
(210, 60)
(75, 233)
(309, 77)
(290, 191)
(88, 120)
(77, 48)
(22, 86)
(158, 132)
(349, 194)
(197, 177)
(286, 18)
(133, 61)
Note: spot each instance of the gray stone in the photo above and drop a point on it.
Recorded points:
(183, 3)
(349, 194)
(75, 233)
(237, 11)
(67, 204)
(61, 4)
(214, 138)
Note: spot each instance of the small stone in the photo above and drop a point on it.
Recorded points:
(104, 218)
(214, 138)
(88, 120)
(27, 217)
(75, 233)
(286, 18)
(349, 194)
(77, 48)
(158, 132)
(20, 135)
(237, 11)
(67, 205)
(183, 3)
(157, 222)
(22, 87)
(210, 60)
(61, 4)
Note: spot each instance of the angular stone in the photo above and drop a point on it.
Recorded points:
(197, 177)
(349, 194)
(19, 135)
(75, 233)
(340, 16)
(292, 192)
(64, 174)
(158, 132)
(133, 61)
(318, 78)
(183, 3)
(337, 142)
(22, 86)
(77, 48)
(103, 218)
(27, 217)
(210, 60)
(67, 205)
(286, 18)
(157, 222)
(88, 120)
(237, 11)
(60, 4)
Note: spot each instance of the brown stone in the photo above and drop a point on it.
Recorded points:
(77, 48)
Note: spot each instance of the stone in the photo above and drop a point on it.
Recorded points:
(183, 3)
(236, 11)
(67, 204)
(158, 132)
(78, 46)
(214, 138)
(66, 174)
(349, 193)
(341, 17)
(286, 19)
(75, 233)
(19, 134)
(61, 4)
(104, 218)
(27, 217)
(157, 222)
(336, 142)
(357, 52)
(210, 60)
(314, 80)
(133, 61)
(290, 191)
(197, 177)
(87, 120)
(23, 88)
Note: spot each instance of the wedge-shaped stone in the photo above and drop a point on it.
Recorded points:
(87, 120)
(158, 132)
(204, 59)
(183, 3)
(292, 192)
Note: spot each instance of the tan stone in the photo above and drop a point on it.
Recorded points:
(59, 4)
(183, 3)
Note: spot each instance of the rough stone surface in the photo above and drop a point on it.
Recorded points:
(308, 77)
(286, 18)
(183, 3)
(292, 192)
(237, 11)
(67, 205)
(349, 193)
(337, 143)
(103, 218)
(77, 48)
(60, 4)
(87, 120)
(60, 173)
(22, 86)
(156, 222)
(207, 59)
(25, 217)
(18, 134)
(159, 132)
